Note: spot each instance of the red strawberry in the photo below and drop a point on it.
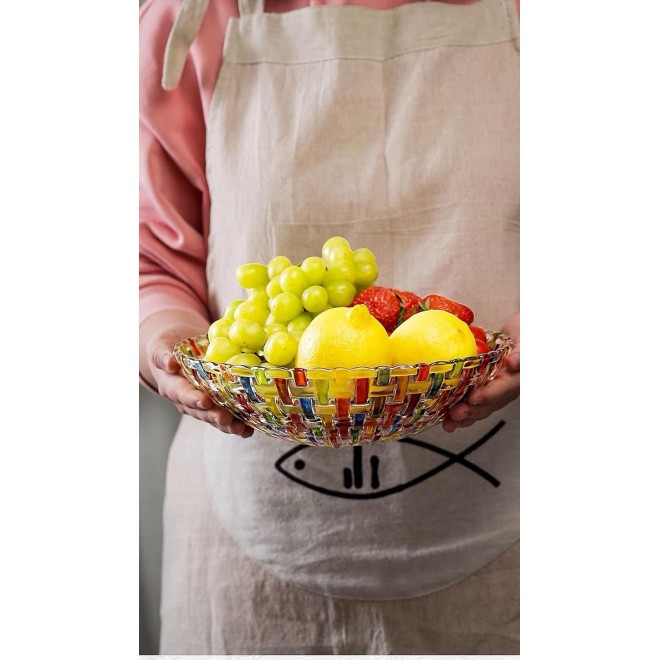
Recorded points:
(389, 306)
(434, 301)
(409, 305)
(480, 338)
(382, 303)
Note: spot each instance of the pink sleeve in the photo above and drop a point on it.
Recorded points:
(174, 196)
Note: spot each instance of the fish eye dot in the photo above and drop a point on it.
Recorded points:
(299, 464)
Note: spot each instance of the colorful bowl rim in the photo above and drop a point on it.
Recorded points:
(506, 344)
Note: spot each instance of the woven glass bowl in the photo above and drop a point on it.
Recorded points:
(340, 407)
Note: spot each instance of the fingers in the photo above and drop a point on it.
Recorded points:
(191, 401)
(181, 393)
(222, 419)
(505, 387)
(513, 361)
(463, 415)
(483, 401)
(449, 424)
(164, 360)
(174, 386)
(512, 328)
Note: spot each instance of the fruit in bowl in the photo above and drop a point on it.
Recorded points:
(339, 407)
(316, 353)
(282, 299)
(344, 337)
(432, 336)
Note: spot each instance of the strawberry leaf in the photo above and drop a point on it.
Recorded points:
(402, 310)
(491, 338)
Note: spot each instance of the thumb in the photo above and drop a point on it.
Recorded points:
(513, 359)
(167, 362)
(512, 328)
(163, 357)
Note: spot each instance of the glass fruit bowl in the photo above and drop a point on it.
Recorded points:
(340, 407)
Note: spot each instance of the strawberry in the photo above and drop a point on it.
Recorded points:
(480, 338)
(383, 305)
(434, 301)
(389, 306)
(409, 305)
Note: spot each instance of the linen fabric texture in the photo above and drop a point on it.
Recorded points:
(397, 129)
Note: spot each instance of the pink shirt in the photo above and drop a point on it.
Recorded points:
(174, 196)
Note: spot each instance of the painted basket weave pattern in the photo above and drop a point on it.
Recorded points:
(339, 407)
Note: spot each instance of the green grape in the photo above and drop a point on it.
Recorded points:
(340, 293)
(366, 273)
(250, 311)
(272, 328)
(325, 309)
(247, 334)
(336, 250)
(293, 280)
(359, 288)
(296, 335)
(219, 328)
(276, 265)
(270, 320)
(314, 269)
(341, 271)
(364, 255)
(280, 349)
(259, 296)
(231, 308)
(314, 298)
(221, 349)
(333, 243)
(250, 276)
(285, 306)
(273, 287)
(299, 324)
(339, 255)
(336, 241)
(245, 360)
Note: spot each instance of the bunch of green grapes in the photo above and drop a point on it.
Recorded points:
(283, 298)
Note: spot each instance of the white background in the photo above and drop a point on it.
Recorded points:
(69, 465)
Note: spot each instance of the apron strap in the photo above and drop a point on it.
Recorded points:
(185, 29)
(251, 7)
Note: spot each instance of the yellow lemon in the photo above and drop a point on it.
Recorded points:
(432, 336)
(344, 337)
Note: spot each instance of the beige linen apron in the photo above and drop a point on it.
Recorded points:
(397, 129)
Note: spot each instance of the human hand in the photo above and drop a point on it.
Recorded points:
(504, 388)
(158, 335)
